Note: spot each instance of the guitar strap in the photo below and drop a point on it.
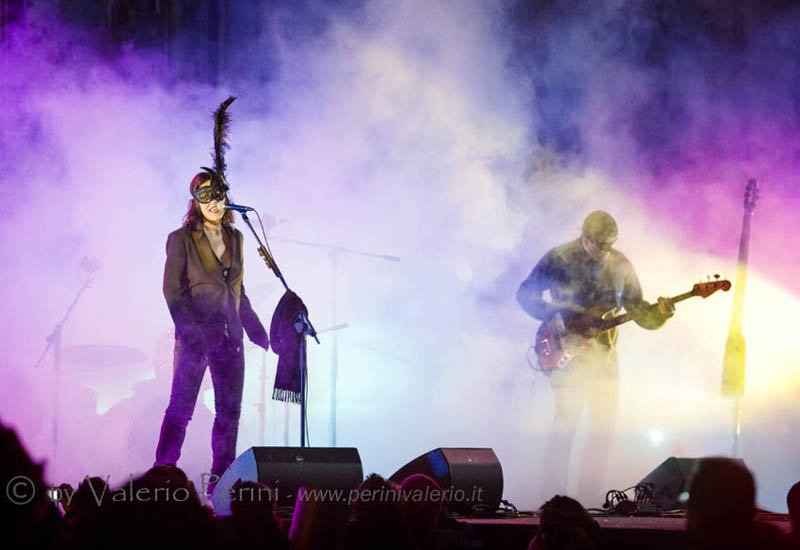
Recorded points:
(609, 337)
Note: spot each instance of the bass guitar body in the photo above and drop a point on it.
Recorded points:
(552, 348)
(559, 342)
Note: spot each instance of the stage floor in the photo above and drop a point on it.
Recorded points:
(652, 532)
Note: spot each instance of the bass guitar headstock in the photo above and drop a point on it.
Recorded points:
(704, 290)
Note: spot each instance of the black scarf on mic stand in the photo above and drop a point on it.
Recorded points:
(287, 336)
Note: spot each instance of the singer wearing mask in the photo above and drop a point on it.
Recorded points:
(206, 299)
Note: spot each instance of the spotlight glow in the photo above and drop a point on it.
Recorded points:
(656, 437)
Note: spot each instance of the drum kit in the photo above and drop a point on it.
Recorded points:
(100, 358)
(129, 428)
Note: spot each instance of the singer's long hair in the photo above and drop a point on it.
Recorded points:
(193, 220)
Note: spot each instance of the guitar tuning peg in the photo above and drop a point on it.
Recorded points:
(716, 276)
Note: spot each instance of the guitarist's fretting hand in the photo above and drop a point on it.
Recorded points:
(665, 307)
(662, 310)
(653, 316)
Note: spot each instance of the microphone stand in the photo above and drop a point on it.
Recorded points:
(308, 329)
(262, 407)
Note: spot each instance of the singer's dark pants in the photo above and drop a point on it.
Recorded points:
(592, 380)
(225, 360)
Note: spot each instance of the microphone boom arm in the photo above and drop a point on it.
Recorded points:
(271, 264)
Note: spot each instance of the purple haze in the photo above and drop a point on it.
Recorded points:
(465, 139)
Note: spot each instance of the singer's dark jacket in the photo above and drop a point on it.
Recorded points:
(200, 299)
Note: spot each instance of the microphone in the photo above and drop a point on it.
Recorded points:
(238, 208)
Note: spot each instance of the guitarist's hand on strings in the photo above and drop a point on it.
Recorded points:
(586, 323)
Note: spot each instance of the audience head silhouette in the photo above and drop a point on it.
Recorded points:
(565, 524)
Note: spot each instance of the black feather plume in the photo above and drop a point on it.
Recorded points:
(222, 121)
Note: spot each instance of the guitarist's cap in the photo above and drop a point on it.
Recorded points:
(600, 227)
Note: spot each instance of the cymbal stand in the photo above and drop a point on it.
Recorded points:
(54, 342)
(336, 254)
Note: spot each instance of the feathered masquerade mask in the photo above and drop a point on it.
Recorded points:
(219, 182)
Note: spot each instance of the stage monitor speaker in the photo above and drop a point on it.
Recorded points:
(671, 481)
(286, 469)
(471, 479)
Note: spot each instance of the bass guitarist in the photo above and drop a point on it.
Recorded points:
(586, 279)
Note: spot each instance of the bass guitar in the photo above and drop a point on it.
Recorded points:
(559, 340)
